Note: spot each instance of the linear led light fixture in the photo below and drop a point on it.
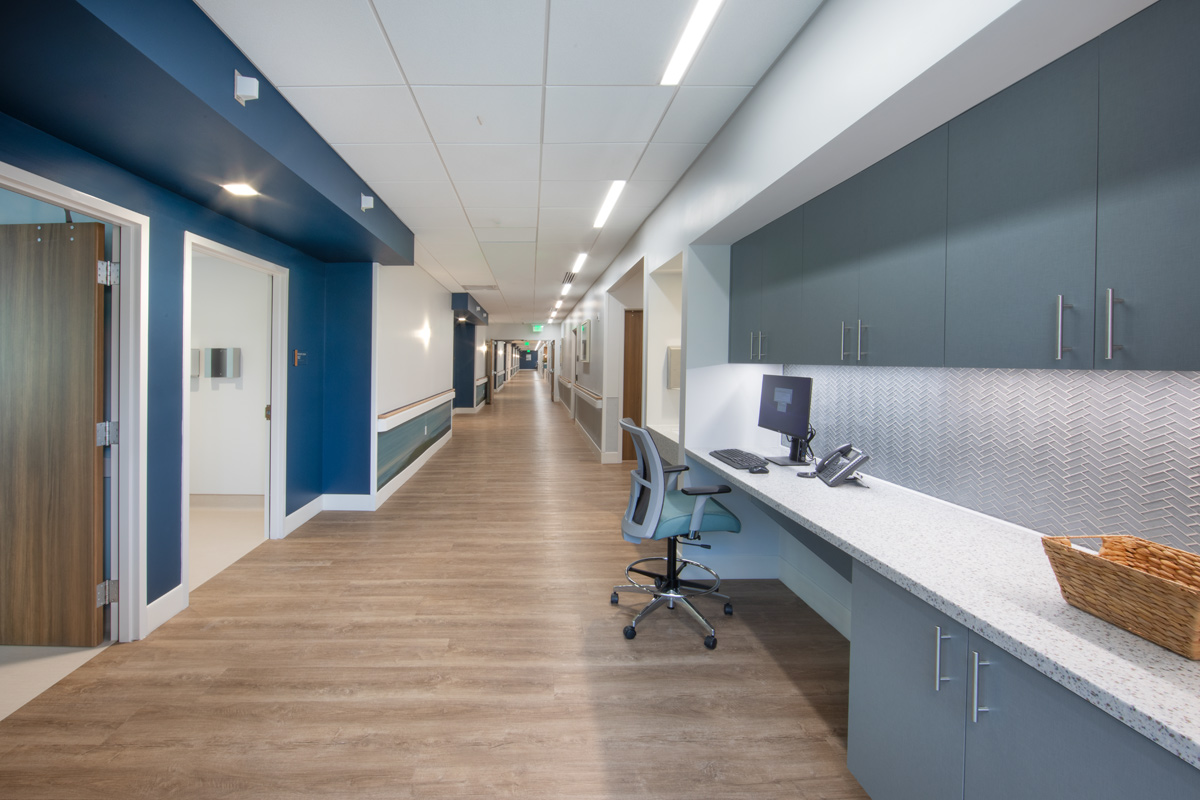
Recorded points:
(240, 189)
(558, 304)
(566, 288)
(580, 259)
(702, 17)
(614, 192)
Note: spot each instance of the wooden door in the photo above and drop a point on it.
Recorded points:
(51, 397)
(631, 392)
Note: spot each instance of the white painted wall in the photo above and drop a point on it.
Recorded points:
(414, 337)
(231, 307)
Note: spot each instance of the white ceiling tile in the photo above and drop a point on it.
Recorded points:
(482, 114)
(359, 114)
(589, 162)
(412, 194)
(506, 234)
(644, 194)
(503, 217)
(308, 42)
(574, 194)
(488, 194)
(698, 112)
(467, 41)
(555, 256)
(615, 42)
(579, 240)
(393, 162)
(505, 258)
(725, 59)
(581, 218)
(491, 162)
(604, 113)
(420, 219)
(666, 162)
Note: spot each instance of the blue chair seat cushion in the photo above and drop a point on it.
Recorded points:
(677, 516)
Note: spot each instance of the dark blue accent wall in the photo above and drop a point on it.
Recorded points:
(170, 215)
(348, 426)
(464, 365)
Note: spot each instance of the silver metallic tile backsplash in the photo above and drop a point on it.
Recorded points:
(1061, 452)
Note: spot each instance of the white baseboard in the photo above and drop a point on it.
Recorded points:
(395, 483)
(164, 608)
(610, 458)
(349, 502)
(303, 514)
(815, 598)
(472, 410)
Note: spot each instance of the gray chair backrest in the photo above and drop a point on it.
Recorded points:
(647, 486)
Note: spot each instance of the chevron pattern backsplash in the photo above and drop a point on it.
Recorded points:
(1061, 452)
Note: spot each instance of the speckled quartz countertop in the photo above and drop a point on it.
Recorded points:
(993, 577)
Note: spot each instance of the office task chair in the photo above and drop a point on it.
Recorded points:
(659, 510)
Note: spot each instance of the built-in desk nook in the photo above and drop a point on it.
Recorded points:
(970, 676)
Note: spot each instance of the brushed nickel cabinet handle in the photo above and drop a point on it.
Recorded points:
(1058, 328)
(1110, 299)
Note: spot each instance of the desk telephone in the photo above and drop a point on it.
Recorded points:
(839, 466)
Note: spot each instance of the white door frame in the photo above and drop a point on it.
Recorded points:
(277, 460)
(128, 618)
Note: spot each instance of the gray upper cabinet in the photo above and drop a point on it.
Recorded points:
(745, 298)
(781, 288)
(1148, 245)
(764, 292)
(875, 263)
(1022, 222)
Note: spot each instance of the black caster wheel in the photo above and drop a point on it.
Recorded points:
(728, 609)
(614, 599)
(709, 641)
(631, 632)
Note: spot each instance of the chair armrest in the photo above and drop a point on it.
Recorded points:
(672, 472)
(717, 489)
(669, 468)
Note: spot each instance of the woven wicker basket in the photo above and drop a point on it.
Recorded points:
(1146, 588)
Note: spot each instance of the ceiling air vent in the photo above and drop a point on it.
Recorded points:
(570, 276)
(480, 287)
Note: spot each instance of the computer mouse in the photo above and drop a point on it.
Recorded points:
(759, 470)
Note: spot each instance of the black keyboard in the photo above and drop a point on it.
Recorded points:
(739, 459)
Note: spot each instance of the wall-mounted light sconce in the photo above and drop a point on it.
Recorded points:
(244, 88)
(368, 202)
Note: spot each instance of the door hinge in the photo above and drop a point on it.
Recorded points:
(106, 593)
(106, 434)
(108, 273)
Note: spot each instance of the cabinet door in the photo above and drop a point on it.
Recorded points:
(782, 250)
(1022, 221)
(745, 292)
(906, 708)
(829, 282)
(1148, 239)
(902, 257)
(1039, 741)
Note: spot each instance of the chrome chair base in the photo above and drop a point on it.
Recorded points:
(668, 589)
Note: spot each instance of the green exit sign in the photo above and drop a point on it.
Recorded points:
(537, 328)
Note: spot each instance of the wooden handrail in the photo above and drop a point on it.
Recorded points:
(588, 392)
(402, 409)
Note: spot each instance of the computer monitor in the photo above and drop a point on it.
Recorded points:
(784, 407)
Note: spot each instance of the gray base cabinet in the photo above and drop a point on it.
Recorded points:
(992, 729)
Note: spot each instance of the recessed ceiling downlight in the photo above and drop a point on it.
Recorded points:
(240, 189)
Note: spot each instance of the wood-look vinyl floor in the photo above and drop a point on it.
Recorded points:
(458, 643)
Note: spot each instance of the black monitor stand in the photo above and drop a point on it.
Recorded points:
(795, 456)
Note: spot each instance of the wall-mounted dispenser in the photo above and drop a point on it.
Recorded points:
(195, 372)
(674, 364)
(223, 362)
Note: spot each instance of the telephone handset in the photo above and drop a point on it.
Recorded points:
(840, 465)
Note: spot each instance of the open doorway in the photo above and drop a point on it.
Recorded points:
(626, 299)
(74, 362)
(234, 356)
